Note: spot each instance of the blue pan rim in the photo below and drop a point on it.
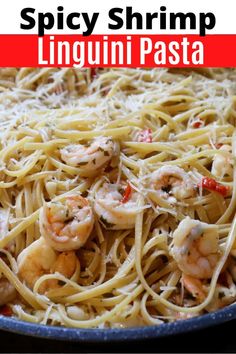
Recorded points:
(116, 335)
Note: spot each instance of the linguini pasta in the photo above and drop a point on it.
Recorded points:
(117, 195)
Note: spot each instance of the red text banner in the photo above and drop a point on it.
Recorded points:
(118, 51)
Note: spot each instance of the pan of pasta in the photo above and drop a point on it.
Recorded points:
(117, 201)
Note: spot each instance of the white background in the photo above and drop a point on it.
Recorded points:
(225, 12)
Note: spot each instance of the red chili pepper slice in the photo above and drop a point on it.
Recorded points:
(127, 193)
(223, 190)
(211, 184)
(145, 136)
(6, 311)
(197, 124)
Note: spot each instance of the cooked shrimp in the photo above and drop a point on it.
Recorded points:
(223, 163)
(39, 259)
(66, 225)
(195, 248)
(65, 264)
(172, 183)
(35, 261)
(116, 208)
(90, 158)
(194, 287)
(7, 292)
